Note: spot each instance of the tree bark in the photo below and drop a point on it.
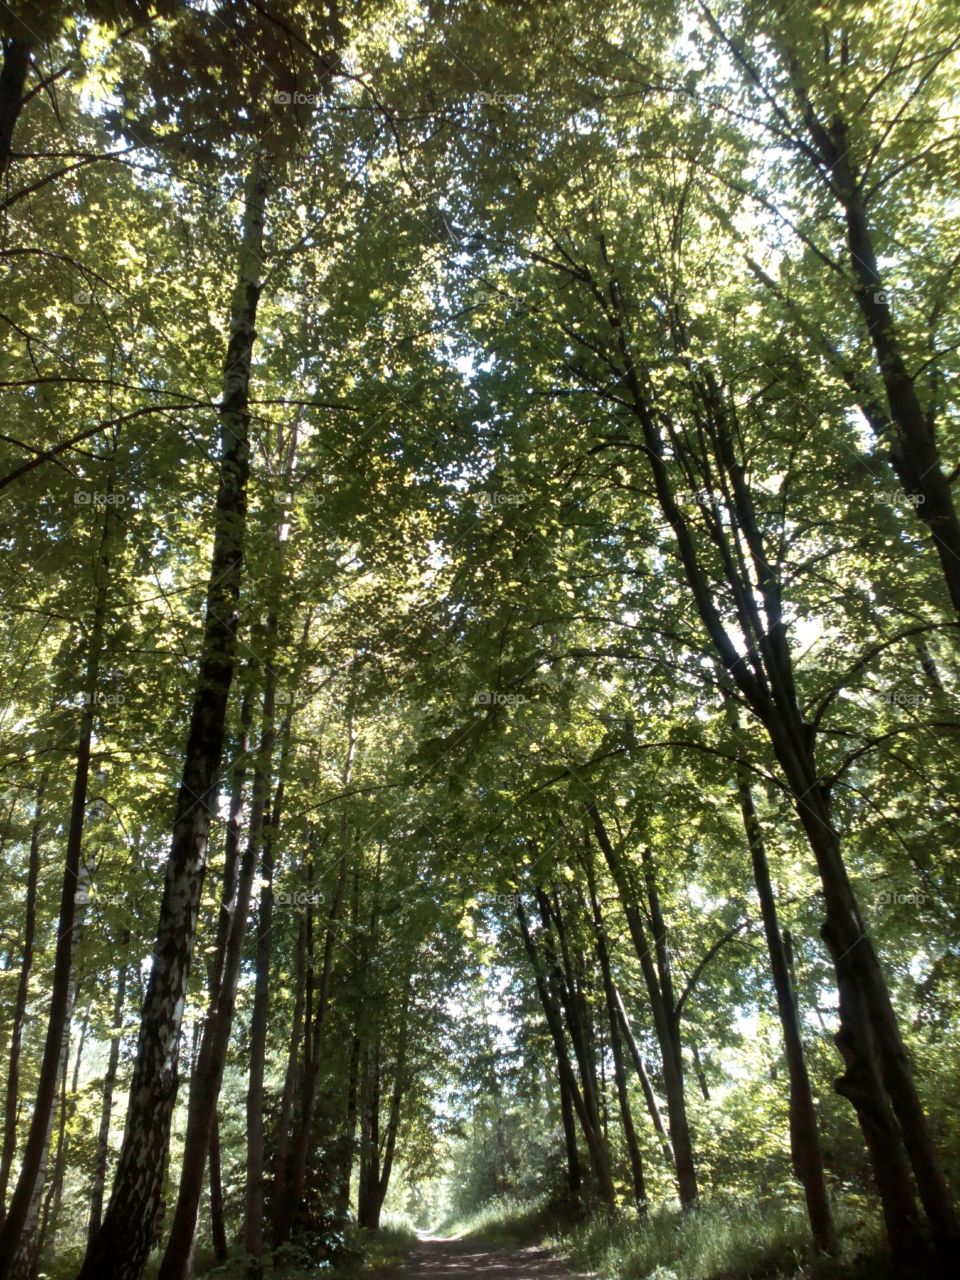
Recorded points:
(664, 1020)
(574, 1175)
(58, 1020)
(207, 1076)
(13, 79)
(218, 1228)
(295, 1175)
(598, 1156)
(616, 1049)
(804, 1129)
(255, 1195)
(653, 1105)
(23, 1264)
(12, 1101)
(106, 1111)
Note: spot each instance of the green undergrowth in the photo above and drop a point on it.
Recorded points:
(728, 1239)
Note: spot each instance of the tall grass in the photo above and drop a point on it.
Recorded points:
(506, 1220)
(724, 1239)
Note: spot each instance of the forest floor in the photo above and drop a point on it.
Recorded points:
(471, 1259)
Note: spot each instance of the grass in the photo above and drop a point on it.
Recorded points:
(507, 1220)
(726, 1239)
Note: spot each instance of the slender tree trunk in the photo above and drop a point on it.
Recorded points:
(121, 1247)
(367, 1212)
(291, 1080)
(664, 1021)
(699, 1072)
(12, 1102)
(572, 1003)
(51, 1207)
(295, 1175)
(349, 1134)
(255, 1198)
(218, 1228)
(574, 1175)
(616, 1049)
(396, 1101)
(804, 1130)
(23, 1264)
(211, 1060)
(72, 896)
(653, 1105)
(598, 1156)
(109, 1084)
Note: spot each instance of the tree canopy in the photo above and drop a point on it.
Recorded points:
(480, 592)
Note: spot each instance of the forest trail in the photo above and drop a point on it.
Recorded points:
(471, 1259)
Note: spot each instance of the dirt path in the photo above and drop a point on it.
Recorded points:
(471, 1260)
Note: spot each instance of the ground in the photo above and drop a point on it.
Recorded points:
(471, 1259)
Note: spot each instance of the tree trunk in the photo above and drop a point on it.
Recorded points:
(574, 1176)
(368, 1212)
(291, 1080)
(109, 1084)
(23, 1264)
(12, 1101)
(54, 1197)
(878, 1075)
(598, 1156)
(804, 1130)
(72, 896)
(664, 1021)
(349, 1134)
(121, 1247)
(218, 1229)
(255, 1194)
(616, 1049)
(653, 1105)
(13, 78)
(294, 1178)
(207, 1075)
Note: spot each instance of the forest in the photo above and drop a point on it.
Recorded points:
(480, 599)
